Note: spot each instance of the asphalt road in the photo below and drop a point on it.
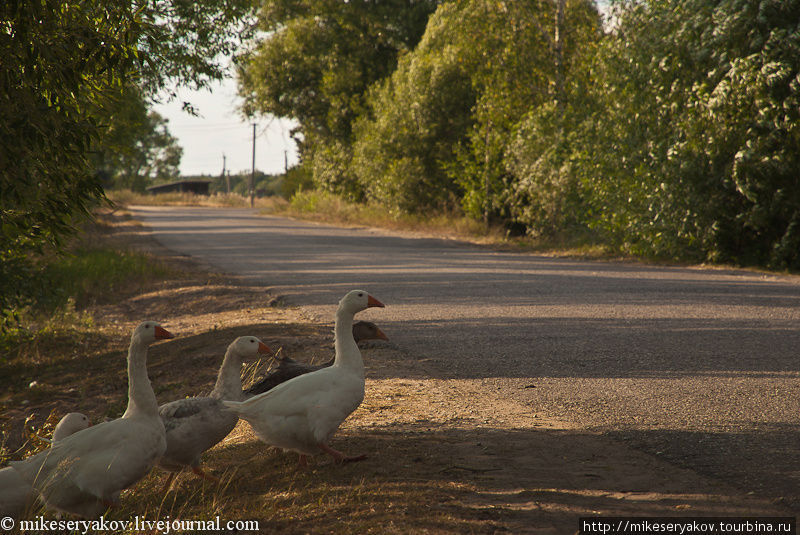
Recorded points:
(697, 366)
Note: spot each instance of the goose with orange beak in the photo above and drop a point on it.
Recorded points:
(84, 473)
(197, 424)
(289, 368)
(303, 413)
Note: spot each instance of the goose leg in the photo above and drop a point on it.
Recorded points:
(339, 457)
(170, 479)
(302, 461)
(208, 477)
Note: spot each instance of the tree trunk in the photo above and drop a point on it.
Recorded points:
(558, 52)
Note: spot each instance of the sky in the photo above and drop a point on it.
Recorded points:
(219, 130)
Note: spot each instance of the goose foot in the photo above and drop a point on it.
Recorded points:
(339, 457)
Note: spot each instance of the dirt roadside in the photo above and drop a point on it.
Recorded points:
(444, 456)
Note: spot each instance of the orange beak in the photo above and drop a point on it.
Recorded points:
(162, 334)
(379, 334)
(372, 302)
(263, 348)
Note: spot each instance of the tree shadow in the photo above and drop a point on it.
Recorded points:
(437, 478)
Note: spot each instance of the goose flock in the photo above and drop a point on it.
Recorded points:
(297, 407)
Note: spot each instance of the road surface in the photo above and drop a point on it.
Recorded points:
(697, 366)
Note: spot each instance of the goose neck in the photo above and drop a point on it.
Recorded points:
(229, 379)
(347, 352)
(141, 398)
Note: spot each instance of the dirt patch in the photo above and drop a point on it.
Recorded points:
(444, 456)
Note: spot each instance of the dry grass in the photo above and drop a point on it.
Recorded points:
(127, 197)
(333, 209)
(328, 208)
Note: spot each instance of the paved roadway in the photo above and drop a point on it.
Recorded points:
(697, 366)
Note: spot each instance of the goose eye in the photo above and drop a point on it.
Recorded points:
(361, 295)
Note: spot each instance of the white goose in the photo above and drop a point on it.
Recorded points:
(84, 473)
(15, 494)
(289, 368)
(197, 424)
(303, 413)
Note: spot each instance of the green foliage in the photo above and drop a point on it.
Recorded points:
(61, 63)
(64, 67)
(89, 274)
(330, 165)
(186, 42)
(137, 149)
(66, 283)
(295, 180)
(543, 192)
(695, 134)
(545, 195)
(419, 116)
(752, 104)
(441, 128)
(315, 66)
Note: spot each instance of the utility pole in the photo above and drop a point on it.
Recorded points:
(486, 179)
(228, 182)
(285, 161)
(253, 172)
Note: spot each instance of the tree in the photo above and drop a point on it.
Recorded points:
(54, 74)
(137, 148)
(694, 145)
(315, 66)
(186, 42)
(543, 194)
(63, 65)
(439, 130)
(418, 116)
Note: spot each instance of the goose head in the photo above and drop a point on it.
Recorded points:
(249, 346)
(150, 331)
(366, 330)
(358, 300)
(70, 424)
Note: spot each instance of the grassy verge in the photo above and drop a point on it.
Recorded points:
(326, 207)
(127, 197)
(93, 269)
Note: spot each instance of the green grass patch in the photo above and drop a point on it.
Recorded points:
(93, 270)
(94, 275)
